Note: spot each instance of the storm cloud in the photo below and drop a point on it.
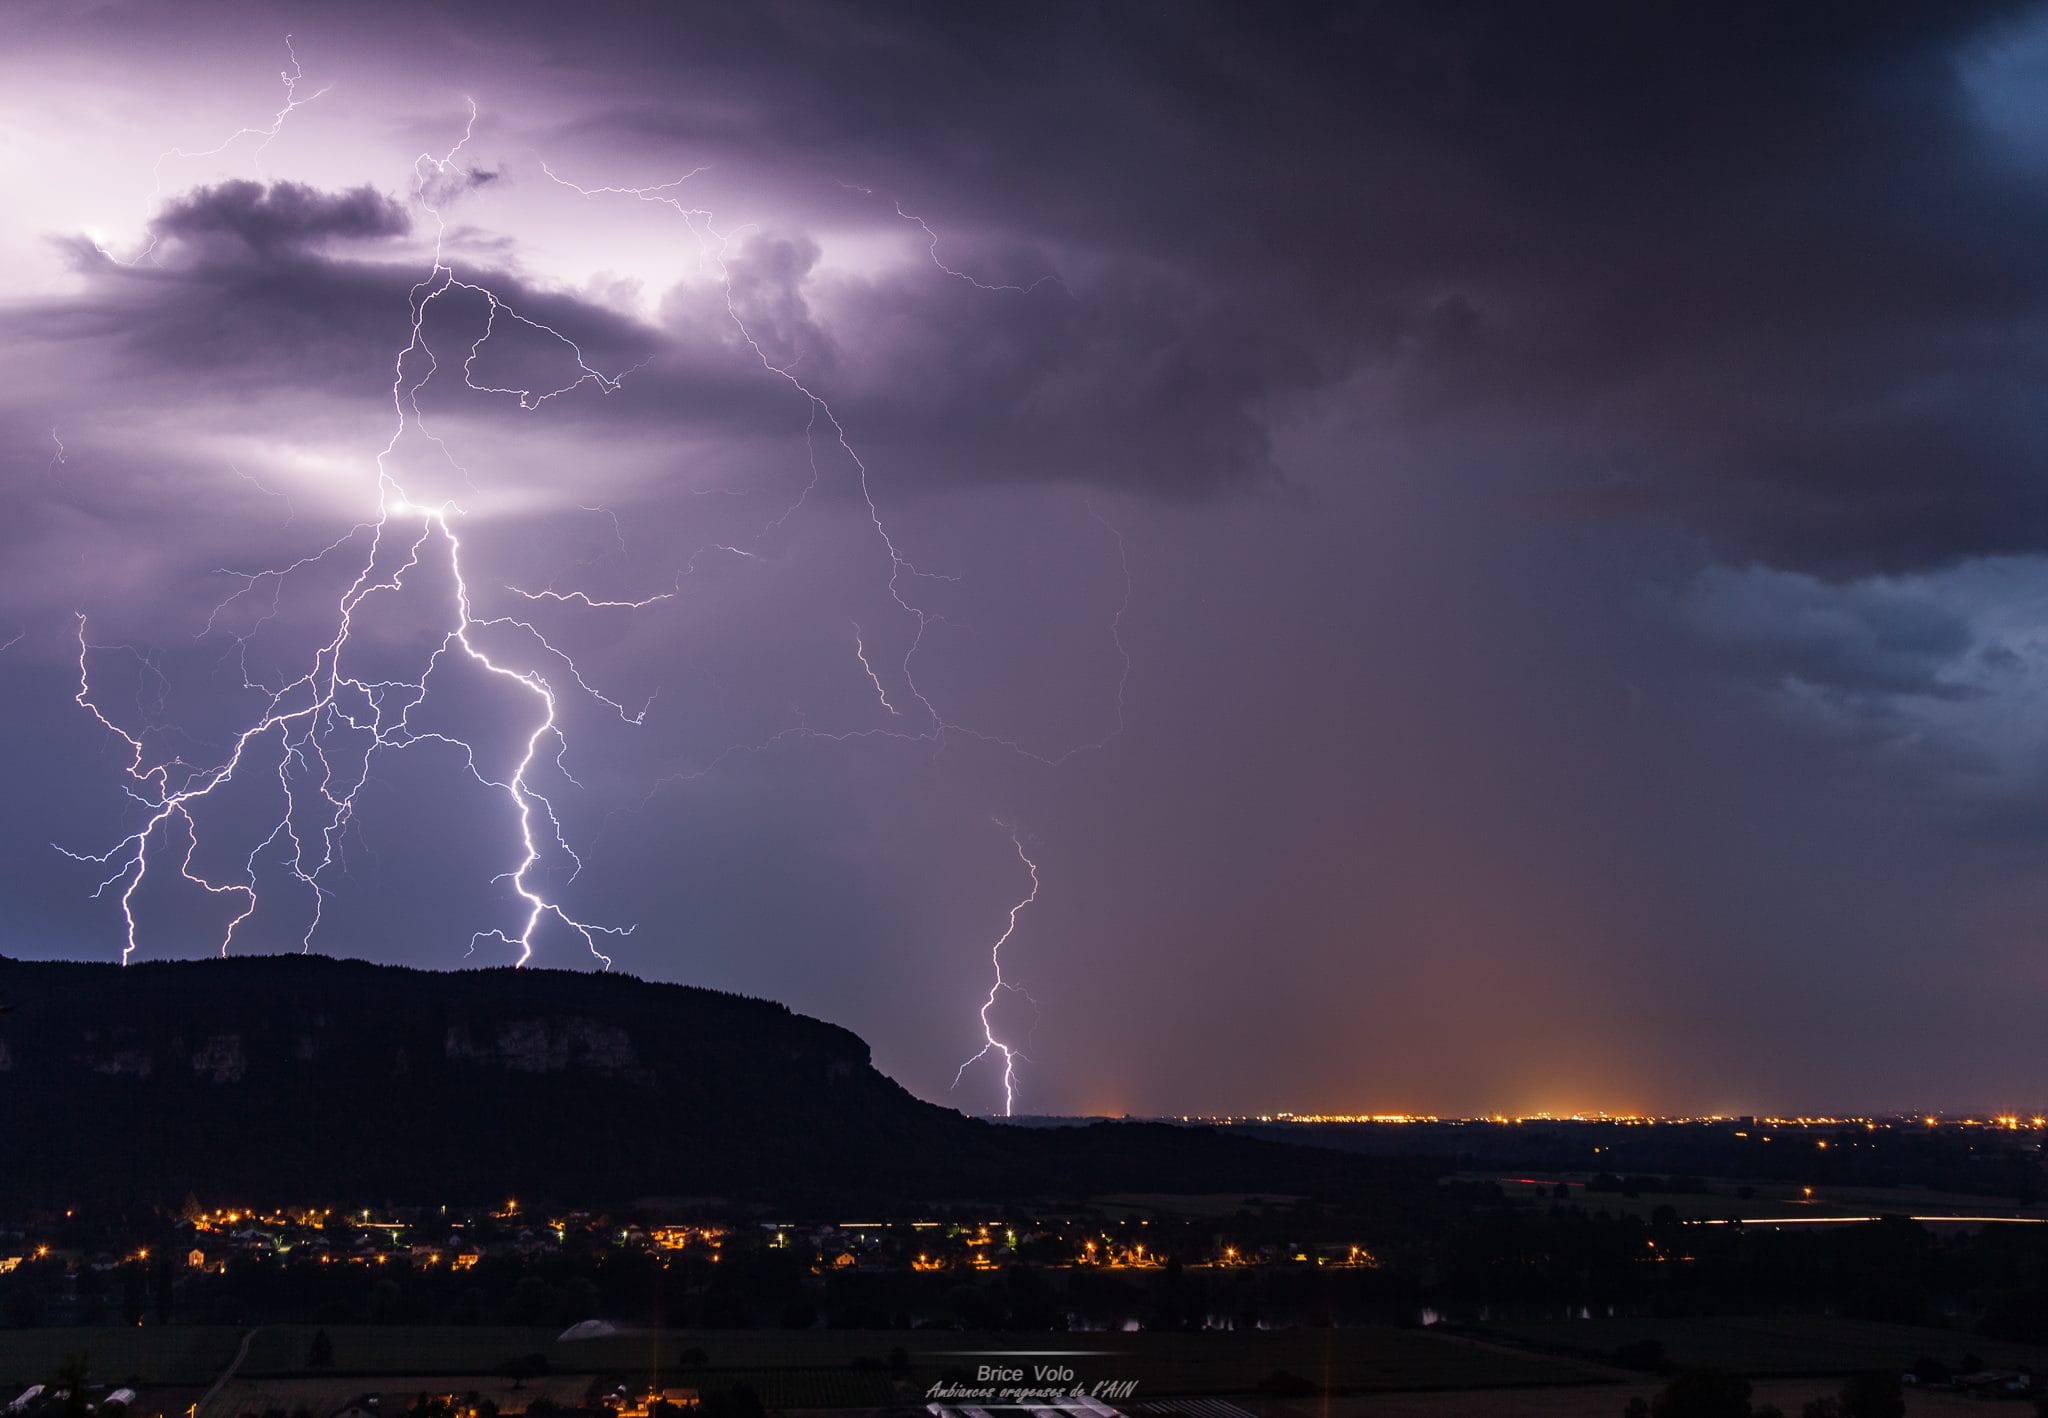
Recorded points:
(1458, 535)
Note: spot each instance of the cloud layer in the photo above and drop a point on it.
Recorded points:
(1577, 470)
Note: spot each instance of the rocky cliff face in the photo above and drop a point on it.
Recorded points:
(316, 1076)
(304, 1079)
(549, 1046)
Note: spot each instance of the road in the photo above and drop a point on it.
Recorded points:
(234, 1365)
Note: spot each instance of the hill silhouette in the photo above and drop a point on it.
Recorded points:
(305, 1078)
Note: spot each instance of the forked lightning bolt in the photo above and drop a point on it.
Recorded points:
(324, 727)
(713, 245)
(1009, 1053)
(318, 732)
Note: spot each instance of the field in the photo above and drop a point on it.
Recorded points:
(1772, 1199)
(1790, 1344)
(1536, 1369)
(1790, 1395)
(1195, 1205)
(808, 1369)
(185, 1354)
(1162, 1363)
(778, 1388)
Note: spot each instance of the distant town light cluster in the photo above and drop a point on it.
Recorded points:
(2011, 1122)
(220, 1241)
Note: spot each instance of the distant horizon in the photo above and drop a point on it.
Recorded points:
(2010, 1118)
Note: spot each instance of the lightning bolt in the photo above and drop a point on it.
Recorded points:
(291, 513)
(1009, 1053)
(932, 245)
(318, 731)
(291, 78)
(326, 726)
(713, 245)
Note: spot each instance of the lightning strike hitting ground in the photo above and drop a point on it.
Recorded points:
(326, 726)
(713, 245)
(1010, 1053)
(318, 732)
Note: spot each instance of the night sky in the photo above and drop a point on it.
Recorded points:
(1494, 556)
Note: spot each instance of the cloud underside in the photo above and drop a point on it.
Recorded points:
(1767, 274)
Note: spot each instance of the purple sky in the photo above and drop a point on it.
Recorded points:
(1495, 556)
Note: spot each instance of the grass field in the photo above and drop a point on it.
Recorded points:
(1198, 1205)
(1400, 1373)
(467, 1349)
(804, 1369)
(1162, 1363)
(185, 1354)
(1791, 1344)
(1766, 1199)
(1790, 1395)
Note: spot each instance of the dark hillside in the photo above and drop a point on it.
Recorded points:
(306, 1078)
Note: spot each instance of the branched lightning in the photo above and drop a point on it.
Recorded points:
(291, 79)
(934, 727)
(291, 513)
(713, 245)
(932, 245)
(1009, 1053)
(318, 731)
(324, 727)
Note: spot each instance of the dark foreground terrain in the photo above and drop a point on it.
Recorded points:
(292, 1079)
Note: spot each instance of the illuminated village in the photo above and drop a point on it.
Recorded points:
(232, 1241)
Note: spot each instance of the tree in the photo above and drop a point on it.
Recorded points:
(163, 1275)
(1703, 1393)
(1873, 1395)
(1645, 1354)
(386, 1302)
(134, 1293)
(1929, 1370)
(321, 1353)
(526, 1366)
(739, 1401)
(72, 1376)
(23, 1307)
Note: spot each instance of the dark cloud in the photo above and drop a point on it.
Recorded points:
(1658, 380)
(1863, 645)
(1761, 268)
(270, 306)
(281, 217)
